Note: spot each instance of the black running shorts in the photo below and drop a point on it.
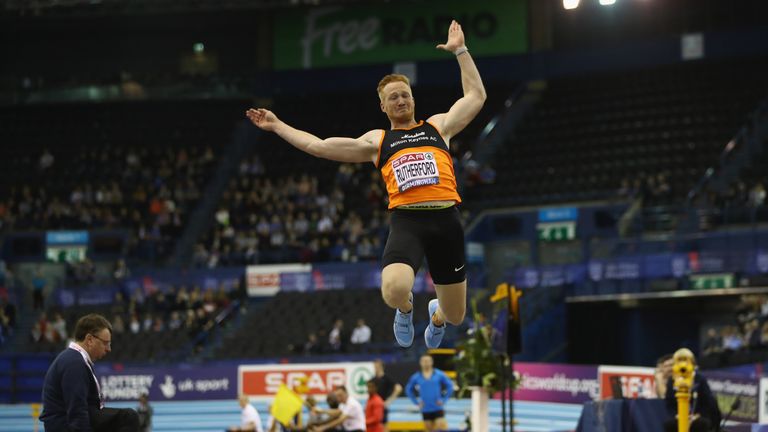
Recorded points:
(436, 234)
(432, 416)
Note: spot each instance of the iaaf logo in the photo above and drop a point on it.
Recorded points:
(413, 157)
(266, 383)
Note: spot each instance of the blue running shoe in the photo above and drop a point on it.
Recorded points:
(403, 326)
(433, 335)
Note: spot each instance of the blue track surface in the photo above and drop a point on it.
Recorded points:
(215, 416)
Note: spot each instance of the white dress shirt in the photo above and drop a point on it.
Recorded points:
(250, 415)
(361, 335)
(355, 414)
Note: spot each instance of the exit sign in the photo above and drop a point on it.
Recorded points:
(712, 281)
(556, 231)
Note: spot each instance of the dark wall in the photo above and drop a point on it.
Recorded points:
(638, 332)
(100, 47)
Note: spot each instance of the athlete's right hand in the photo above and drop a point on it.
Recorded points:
(263, 118)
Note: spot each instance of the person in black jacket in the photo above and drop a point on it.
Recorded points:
(705, 414)
(72, 399)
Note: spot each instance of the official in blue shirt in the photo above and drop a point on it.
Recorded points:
(434, 389)
(72, 399)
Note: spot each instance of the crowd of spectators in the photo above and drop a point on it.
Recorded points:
(185, 310)
(191, 310)
(748, 332)
(654, 189)
(336, 340)
(7, 318)
(53, 330)
(7, 306)
(149, 191)
(264, 219)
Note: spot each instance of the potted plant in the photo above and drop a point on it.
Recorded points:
(479, 369)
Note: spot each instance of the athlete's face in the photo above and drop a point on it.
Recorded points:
(398, 101)
(426, 363)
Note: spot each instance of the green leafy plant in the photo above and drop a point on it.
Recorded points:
(476, 362)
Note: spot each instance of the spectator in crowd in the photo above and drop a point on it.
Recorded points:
(434, 389)
(5, 327)
(118, 325)
(145, 411)
(752, 333)
(120, 274)
(757, 195)
(59, 327)
(732, 341)
(334, 337)
(158, 325)
(36, 333)
(764, 334)
(46, 160)
(713, 342)
(175, 322)
(38, 294)
(9, 309)
(135, 325)
(312, 345)
(361, 336)
(250, 421)
(42, 331)
(146, 324)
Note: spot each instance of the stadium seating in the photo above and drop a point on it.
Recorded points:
(140, 166)
(281, 327)
(589, 133)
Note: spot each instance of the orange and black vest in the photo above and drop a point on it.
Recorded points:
(416, 166)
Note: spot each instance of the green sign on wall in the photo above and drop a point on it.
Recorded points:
(344, 36)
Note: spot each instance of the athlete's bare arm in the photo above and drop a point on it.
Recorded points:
(465, 109)
(362, 149)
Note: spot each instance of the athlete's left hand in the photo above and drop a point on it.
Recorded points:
(455, 38)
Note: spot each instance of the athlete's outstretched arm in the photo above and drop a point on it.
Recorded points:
(465, 109)
(362, 149)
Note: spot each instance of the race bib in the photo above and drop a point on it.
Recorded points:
(415, 169)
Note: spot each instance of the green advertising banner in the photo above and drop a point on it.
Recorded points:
(349, 35)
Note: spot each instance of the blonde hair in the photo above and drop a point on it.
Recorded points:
(390, 79)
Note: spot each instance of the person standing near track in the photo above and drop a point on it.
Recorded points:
(418, 171)
(374, 409)
(72, 399)
(250, 420)
(434, 388)
(386, 387)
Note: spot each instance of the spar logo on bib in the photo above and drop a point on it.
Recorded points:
(415, 169)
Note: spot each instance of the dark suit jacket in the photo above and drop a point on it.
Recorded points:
(69, 392)
(704, 402)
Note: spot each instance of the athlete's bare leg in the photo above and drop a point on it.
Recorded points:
(396, 285)
(440, 424)
(453, 303)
